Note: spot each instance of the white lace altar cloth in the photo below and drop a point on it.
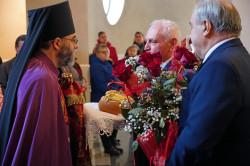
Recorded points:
(99, 123)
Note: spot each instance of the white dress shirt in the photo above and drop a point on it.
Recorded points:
(214, 47)
(165, 63)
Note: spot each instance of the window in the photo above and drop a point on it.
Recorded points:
(113, 10)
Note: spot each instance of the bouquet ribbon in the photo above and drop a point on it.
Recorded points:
(126, 90)
(132, 86)
(158, 154)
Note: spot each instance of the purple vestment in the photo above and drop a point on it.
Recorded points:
(39, 135)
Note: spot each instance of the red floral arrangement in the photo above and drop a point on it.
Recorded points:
(156, 93)
(187, 59)
(120, 70)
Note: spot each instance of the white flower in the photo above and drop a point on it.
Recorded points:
(153, 81)
(127, 62)
(140, 70)
(179, 98)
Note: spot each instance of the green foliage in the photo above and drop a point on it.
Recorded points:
(182, 83)
(125, 113)
(170, 81)
(135, 145)
(135, 111)
(162, 123)
(158, 137)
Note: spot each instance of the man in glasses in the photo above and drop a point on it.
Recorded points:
(34, 120)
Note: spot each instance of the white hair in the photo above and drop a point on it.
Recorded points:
(169, 29)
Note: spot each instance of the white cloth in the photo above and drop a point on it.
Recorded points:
(97, 121)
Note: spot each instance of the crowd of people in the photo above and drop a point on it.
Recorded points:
(42, 121)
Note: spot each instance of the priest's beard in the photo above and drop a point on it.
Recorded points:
(66, 57)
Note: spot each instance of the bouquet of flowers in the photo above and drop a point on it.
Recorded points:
(157, 97)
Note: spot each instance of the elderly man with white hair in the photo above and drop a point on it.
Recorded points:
(163, 36)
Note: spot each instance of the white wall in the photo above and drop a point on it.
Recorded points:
(13, 24)
(137, 16)
(89, 19)
(243, 9)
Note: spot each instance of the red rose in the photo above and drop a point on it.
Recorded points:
(154, 68)
(191, 60)
(120, 70)
(178, 52)
(186, 58)
(145, 59)
(184, 61)
(156, 57)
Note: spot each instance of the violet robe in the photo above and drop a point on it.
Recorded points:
(39, 135)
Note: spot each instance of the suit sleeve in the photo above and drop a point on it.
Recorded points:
(214, 102)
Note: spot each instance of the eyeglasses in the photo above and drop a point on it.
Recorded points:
(104, 52)
(75, 40)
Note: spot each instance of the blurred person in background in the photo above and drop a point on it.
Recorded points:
(140, 42)
(103, 39)
(100, 75)
(5, 68)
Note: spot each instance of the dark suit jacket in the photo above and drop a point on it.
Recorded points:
(216, 131)
(5, 69)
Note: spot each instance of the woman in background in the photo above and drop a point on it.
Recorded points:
(100, 75)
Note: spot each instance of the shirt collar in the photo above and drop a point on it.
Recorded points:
(165, 63)
(214, 47)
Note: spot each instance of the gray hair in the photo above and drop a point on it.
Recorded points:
(169, 30)
(99, 47)
(222, 14)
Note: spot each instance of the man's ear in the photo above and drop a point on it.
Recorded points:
(174, 42)
(57, 42)
(207, 27)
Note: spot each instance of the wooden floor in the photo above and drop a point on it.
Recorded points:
(102, 159)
